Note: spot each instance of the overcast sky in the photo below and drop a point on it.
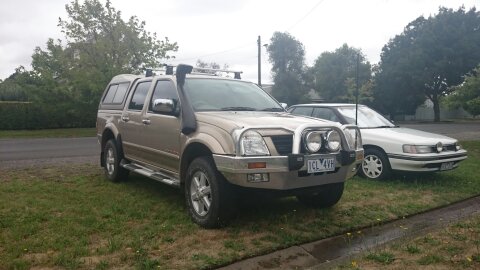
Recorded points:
(226, 31)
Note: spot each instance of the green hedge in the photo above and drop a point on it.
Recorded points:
(28, 115)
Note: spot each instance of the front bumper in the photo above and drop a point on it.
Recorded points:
(287, 172)
(426, 162)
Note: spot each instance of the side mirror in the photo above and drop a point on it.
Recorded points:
(284, 105)
(165, 106)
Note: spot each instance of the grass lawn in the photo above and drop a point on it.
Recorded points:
(455, 247)
(48, 133)
(72, 217)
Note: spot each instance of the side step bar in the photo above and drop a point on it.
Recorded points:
(155, 175)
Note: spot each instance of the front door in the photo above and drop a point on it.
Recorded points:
(162, 134)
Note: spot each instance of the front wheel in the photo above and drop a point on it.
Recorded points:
(209, 197)
(375, 165)
(326, 196)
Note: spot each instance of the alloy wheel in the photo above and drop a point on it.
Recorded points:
(200, 193)
(110, 161)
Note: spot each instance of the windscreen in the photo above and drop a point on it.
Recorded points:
(227, 95)
(367, 118)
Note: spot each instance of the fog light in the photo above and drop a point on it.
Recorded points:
(439, 147)
(257, 177)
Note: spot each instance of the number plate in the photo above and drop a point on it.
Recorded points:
(446, 166)
(321, 165)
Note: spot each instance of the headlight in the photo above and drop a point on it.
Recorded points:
(313, 141)
(417, 149)
(333, 141)
(252, 144)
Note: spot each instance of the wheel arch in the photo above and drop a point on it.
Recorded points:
(191, 152)
(107, 135)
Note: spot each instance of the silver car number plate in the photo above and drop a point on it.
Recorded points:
(321, 165)
(446, 166)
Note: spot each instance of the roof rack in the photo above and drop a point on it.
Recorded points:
(169, 70)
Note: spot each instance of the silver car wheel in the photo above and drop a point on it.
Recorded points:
(372, 166)
(200, 193)
(110, 161)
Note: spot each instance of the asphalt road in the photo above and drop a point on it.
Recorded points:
(29, 152)
(25, 152)
(459, 130)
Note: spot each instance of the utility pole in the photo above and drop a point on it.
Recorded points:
(356, 88)
(259, 61)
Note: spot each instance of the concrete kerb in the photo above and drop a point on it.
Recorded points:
(330, 252)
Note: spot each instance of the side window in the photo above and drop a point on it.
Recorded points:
(303, 111)
(110, 93)
(164, 90)
(115, 93)
(325, 113)
(139, 96)
(120, 94)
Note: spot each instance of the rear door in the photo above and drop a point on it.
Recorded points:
(131, 125)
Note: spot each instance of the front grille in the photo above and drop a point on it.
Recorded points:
(283, 143)
(450, 147)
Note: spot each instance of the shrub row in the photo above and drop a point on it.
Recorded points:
(28, 115)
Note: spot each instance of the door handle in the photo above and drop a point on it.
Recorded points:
(125, 118)
(146, 121)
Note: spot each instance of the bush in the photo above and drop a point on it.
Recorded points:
(27, 115)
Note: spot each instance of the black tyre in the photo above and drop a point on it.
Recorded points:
(209, 197)
(112, 156)
(375, 165)
(325, 197)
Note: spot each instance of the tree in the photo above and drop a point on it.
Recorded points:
(334, 74)
(427, 59)
(467, 95)
(69, 78)
(212, 65)
(10, 89)
(287, 56)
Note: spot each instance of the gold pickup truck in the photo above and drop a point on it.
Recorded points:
(220, 138)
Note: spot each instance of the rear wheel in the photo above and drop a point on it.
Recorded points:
(375, 164)
(208, 195)
(327, 196)
(113, 170)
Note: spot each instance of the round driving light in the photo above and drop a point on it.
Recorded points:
(439, 147)
(333, 141)
(313, 141)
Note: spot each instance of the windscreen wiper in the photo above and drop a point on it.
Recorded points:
(276, 109)
(238, 109)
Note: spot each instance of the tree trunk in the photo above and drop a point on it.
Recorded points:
(436, 108)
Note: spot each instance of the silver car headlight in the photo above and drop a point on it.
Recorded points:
(417, 149)
(252, 144)
(333, 141)
(313, 141)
